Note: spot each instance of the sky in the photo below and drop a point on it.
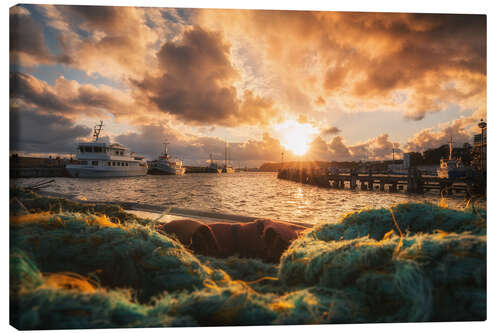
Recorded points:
(313, 85)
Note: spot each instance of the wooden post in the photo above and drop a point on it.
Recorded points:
(353, 183)
(412, 181)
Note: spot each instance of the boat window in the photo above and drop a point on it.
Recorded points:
(81, 149)
(113, 163)
(97, 149)
(95, 163)
(126, 163)
(88, 149)
(83, 162)
(109, 163)
(117, 152)
(121, 153)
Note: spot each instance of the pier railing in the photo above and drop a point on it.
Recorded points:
(413, 182)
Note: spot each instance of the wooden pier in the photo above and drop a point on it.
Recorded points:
(414, 182)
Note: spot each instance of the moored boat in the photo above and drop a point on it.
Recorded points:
(452, 168)
(101, 160)
(213, 167)
(164, 165)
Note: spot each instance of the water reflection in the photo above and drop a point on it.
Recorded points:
(254, 194)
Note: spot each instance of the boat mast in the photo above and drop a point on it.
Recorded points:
(165, 144)
(97, 131)
(451, 146)
(225, 154)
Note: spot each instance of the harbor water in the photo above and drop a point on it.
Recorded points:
(258, 194)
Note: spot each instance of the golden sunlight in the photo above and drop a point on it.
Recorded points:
(295, 136)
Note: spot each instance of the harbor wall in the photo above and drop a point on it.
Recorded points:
(38, 172)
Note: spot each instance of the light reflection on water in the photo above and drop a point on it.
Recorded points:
(244, 193)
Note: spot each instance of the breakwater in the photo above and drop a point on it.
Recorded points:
(413, 182)
(38, 172)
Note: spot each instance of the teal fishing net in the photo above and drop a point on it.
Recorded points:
(83, 269)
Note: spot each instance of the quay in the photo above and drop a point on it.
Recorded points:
(40, 167)
(414, 182)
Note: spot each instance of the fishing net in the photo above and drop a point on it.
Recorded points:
(428, 275)
(117, 255)
(81, 269)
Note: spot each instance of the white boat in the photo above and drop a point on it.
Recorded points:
(100, 160)
(165, 166)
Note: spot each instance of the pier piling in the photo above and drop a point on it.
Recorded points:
(414, 182)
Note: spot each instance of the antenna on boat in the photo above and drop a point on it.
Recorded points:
(97, 131)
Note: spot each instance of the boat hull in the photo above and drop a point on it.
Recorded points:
(86, 172)
(228, 170)
(451, 174)
(214, 170)
(166, 171)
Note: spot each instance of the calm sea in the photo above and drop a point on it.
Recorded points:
(244, 193)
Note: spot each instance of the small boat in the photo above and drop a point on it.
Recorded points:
(213, 167)
(452, 168)
(165, 166)
(99, 160)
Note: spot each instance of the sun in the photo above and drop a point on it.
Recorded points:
(295, 136)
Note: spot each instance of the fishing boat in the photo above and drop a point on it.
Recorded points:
(452, 168)
(101, 160)
(164, 165)
(213, 167)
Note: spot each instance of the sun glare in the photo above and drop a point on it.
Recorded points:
(295, 137)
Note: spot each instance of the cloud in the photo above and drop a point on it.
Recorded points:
(197, 83)
(460, 130)
(378, 148)
(363, 59)
(335, 77)
(70, 98)
(332, 130)
(35, 132)
(27, 41)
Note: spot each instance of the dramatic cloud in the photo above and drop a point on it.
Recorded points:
(245, 72)
(197, 80)
(367, 58)
(378, 148)
(34, 132)
(459, 130)
(27, 42)
(68, 97)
